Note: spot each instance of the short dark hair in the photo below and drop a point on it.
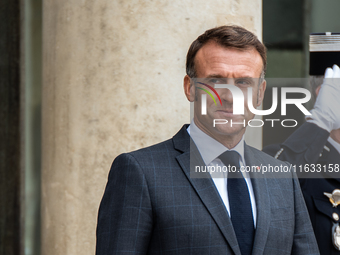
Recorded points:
(229, 37)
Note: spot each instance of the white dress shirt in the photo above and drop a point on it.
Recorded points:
(210, 149)
(335, 144)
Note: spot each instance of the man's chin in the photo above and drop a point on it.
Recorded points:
(228, 130)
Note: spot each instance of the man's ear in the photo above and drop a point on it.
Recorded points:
(189, 89)
(317, 90)
(260, 93)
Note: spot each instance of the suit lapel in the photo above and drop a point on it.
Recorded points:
(262, 203)
(205, 187)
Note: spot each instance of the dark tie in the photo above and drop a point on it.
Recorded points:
(239, 202)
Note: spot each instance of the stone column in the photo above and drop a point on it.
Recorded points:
(112, 82)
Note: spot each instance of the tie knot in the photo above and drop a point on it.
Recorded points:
(231, 158)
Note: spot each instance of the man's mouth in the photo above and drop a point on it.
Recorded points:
(226, 113)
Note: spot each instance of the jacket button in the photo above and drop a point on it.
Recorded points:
(335, 216)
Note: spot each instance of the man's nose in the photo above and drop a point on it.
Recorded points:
(226, 95)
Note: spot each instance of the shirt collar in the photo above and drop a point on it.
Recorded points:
(210, 148)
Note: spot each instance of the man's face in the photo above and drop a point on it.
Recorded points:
(217, 64)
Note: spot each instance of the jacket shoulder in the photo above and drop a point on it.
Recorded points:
(163, 153)
(266, 158)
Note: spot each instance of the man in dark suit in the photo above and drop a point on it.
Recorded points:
(153, 204)
(309, 146)
(315, 146)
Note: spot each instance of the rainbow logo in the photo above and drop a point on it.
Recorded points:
(212, 89)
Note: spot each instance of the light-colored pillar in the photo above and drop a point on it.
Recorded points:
(112, 82)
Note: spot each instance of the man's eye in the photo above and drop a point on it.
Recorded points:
(213, 81)
(216, 81)
(243, 82)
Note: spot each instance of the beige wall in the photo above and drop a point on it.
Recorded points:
(112, 82)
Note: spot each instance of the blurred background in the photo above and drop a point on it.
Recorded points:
(82, 81)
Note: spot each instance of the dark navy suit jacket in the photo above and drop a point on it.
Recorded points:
(151, 205)
(308, 145)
